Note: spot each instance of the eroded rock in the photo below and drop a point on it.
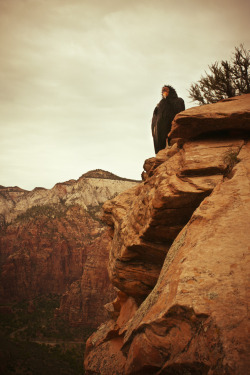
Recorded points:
(180, 249)
(196, 316)
(232, 114)
(147, 218)
(52, 241)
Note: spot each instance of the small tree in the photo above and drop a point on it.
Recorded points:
(225, 79)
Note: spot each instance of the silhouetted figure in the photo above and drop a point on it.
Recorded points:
(164, 114)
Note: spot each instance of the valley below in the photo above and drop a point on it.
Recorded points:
(54, 278)
(34, 341)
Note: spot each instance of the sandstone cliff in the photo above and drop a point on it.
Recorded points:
(52, 241)
(179, 254)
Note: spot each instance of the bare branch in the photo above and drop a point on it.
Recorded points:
(224, 80)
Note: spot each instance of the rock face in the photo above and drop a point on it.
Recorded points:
(89, 191)
(83, 302)
(179, 254)
(232, 114)
(52, 241)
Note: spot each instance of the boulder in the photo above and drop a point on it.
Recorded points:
(232, 114)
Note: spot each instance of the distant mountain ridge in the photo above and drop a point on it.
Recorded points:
(53, 241)
(90, 190)
(94, 173)
(11, 188)
(100, 173)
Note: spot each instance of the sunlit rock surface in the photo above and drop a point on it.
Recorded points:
(179, 254)
(232, 115)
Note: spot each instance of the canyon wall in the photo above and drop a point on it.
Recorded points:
(179, 254)
(52, 241)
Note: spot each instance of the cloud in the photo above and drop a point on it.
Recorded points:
(80, 79)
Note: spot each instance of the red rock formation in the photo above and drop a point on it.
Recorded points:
(52, 241)
(83, 302)
(148, 218)
(44, 252)
(231, 114)
(180, 256)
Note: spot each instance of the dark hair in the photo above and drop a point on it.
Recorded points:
(172, 92)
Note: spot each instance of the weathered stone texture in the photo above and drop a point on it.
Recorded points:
(231, 114)
(148, 218)
(180, 255)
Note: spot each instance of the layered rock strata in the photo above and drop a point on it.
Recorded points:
(52, 241)
(89, 191)
(180, 256)
(84, 300)
(231, 115)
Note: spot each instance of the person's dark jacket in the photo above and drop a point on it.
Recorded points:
(163, 116)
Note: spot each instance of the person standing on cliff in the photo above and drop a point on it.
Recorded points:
(164, 114)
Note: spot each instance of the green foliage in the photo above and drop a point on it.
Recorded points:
(225, 79)
(51, 211)
(231, 158)
(39, 322)
(19, 357)
(33, 341)
(27, 323)
(94, 212)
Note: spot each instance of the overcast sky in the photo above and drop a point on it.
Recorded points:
(79, 79)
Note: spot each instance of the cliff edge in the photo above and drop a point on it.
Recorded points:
(179, 254)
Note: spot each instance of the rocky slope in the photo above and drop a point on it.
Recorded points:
(179, 254)
(90, 190)
(52, 241)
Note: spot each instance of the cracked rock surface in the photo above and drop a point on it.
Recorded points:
(179, 254)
